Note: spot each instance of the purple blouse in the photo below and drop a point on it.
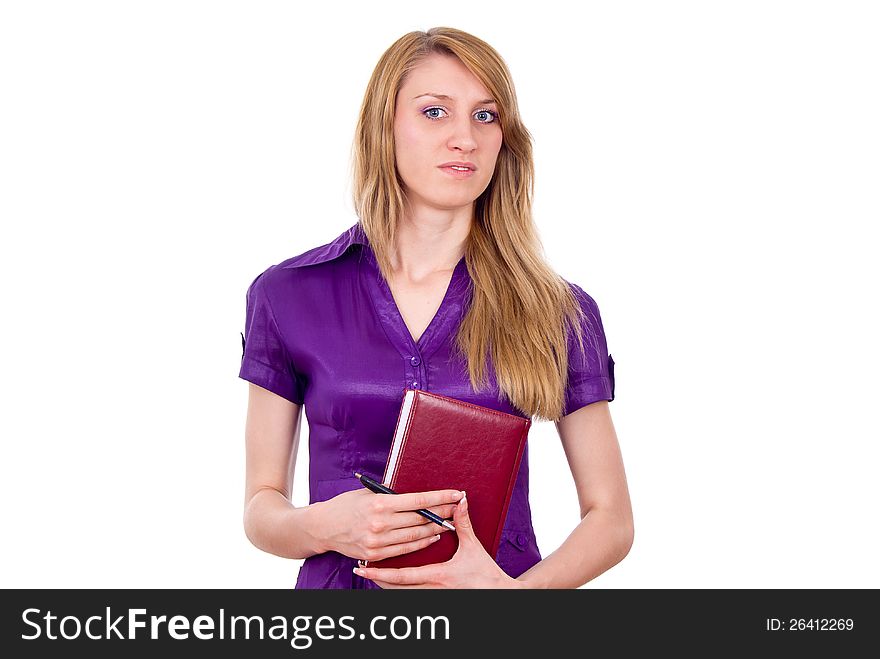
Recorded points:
(323, 330)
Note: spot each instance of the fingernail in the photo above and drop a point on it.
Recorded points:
(435, 538)
(358, 571)
(459, 495)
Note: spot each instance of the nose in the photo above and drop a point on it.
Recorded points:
(462, 135)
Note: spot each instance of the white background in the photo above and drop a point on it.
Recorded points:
(707, 171)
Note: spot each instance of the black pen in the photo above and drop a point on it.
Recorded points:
(370, 484)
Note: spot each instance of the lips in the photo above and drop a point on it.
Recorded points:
(460, 164)
(457, 173)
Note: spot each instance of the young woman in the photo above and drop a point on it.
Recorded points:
(440, 285)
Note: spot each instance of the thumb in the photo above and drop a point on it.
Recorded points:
(462, 520)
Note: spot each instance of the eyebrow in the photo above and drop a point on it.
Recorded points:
(485, 100)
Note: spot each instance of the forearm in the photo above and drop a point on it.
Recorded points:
(274, 525)
(598, 543)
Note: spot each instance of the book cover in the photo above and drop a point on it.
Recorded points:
(444, 443)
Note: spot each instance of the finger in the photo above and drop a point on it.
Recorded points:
(407, 519)
(396, 549)
(404, 576)
(462, 513)
(445, 511)
(411, 534)
(417, 500)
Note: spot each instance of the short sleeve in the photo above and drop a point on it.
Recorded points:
(591, 372)
(264, 359)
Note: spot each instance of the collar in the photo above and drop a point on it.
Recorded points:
(354, 235)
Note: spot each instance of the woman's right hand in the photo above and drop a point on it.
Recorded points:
(369, 526)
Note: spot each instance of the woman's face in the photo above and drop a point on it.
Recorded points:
(430, 131)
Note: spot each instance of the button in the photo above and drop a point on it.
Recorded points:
(415, 361)
(415, 385)
(521, 540)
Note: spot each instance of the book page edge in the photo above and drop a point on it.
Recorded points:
(398, 437)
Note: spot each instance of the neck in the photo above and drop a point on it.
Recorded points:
(427, 247)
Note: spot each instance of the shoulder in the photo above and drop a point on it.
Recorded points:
(295, 268)
(588, 304)
(335, 249)
(592, 327)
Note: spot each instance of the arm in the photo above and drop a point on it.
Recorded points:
(601, 540)
(605, 534)
(358, 523)
(271, 522)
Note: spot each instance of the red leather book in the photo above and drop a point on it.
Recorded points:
(444, 443)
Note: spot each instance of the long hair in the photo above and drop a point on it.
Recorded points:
(521, 311)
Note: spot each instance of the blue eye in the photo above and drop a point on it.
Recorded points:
(492, 114)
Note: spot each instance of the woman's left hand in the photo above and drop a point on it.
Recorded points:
(470, 567)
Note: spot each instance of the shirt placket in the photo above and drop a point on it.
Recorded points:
(417, 371)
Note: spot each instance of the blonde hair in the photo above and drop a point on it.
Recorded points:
(521, 310)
